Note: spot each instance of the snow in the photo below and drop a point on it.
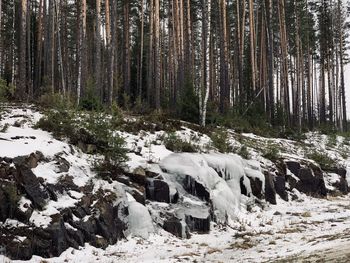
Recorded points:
(298, 229)
(140, 221)
(220, 174)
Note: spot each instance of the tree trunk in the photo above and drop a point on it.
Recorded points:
(98, 88)
(22, 79)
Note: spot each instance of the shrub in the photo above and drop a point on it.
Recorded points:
(56, 101)
(126, 101)
(97, 130)
(188, 103)
(221, 141)
(111, 145)
(174, 143)
(243, 152)
(322, 159)
(291, 134)
(90, 101)
(6, 92)
(332, 140)
(4, 128)
(271, 152)
(59, 122)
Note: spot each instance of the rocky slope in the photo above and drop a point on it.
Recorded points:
(52, 202)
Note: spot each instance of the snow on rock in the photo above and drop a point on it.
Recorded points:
(219, 174)
(139, 219)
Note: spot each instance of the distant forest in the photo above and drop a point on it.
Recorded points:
(279, 61)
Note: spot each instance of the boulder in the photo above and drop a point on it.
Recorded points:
(195, 188)
(62, 165)
(280, 186)
(256, 186)
(270, 191)
(8, 200)
(176, 227)
(311, 181)
(157, 190)
(242, 186)
(31, 185)
(197, 224)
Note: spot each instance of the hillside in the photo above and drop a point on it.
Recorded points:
(182, 193)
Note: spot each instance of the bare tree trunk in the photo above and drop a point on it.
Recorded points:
(60, 59)
(157, 54)
(271, 62)
(150, 56)
(82, 44)
(342, 81)
(204, 92)
(141, 50)
(22, 79)
(98, 88)
(252, 44)
(126, 50)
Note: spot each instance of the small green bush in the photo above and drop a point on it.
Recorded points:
(56, 101)
(94, 129)
(6, 92)
(220, 141)
(271, 152)
(243, 152)
(60, 123)
(90, 100)
(322, 159)
(174, 143)
(4, 128)
(111, 145)
(332, 140)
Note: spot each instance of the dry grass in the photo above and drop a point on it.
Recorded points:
(306, 214)
(213, 250)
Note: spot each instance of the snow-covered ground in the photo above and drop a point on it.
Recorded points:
(289, 230)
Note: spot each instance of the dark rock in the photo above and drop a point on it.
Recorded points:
(138, 176)
(256, 186)
(150, 174)
(8, 160)
(23, 216)
(157, 190)
(16, 249)
(242, 186)
(62, 165)
(79, 212)
(175, 227)
(58, 236)
(270, 192)
(139, 197)
(175, 197)
(87, 228)
(342, 184)
(8, 200)
(64, 184)
(52, 190)
(76, 237)
(100, 242)
(199, 225)
(33, 159)
(109, 224)
(195, 188)
(294, 167)
(280, 187)
(311, 181)
(31, 185)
